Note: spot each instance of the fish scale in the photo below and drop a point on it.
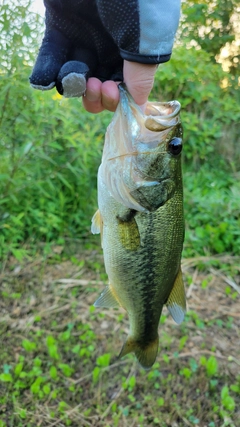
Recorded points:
(140, 217)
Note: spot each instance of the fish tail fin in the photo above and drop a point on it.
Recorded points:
(146, 353)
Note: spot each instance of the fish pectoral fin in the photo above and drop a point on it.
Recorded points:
(176, 302)
(106, 299)
(128, 232)
(97, 223)
(146, 353)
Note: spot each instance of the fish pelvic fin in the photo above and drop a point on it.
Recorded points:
(176, 302)
(145, 353)
(96, 227)
(107, 299)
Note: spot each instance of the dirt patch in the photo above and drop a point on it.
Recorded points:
(59, 354)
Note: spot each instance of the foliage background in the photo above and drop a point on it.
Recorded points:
(50, 147)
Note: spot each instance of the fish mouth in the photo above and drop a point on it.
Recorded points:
(162, 115)
(158, 116)
(147, 129)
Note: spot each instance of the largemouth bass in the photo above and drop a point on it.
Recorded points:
(140, 218)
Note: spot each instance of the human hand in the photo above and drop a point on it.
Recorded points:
(90, 44)
(138, 78)
(75, 47)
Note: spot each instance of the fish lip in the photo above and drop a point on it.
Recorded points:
(156, 116)
(151, 106)
(157, 106)
(163, 123)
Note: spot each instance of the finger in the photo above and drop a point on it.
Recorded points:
(139, 79)
(110, 95)
(71, 80)
(101, 96)
(51, 57)
(92, 100)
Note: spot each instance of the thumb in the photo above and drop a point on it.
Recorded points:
(139, 79)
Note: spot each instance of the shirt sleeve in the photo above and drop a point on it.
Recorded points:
(143, 30)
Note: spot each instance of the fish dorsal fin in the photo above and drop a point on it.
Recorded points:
(96, 227)
(176, 302)
(107, 299)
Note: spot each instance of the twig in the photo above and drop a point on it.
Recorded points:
(191, 262)
(81, 282)
(121, 389)
(218, 315)
(189, 291)
(69, 413)
(57, 309)
(233, 359)
(122, 362)
(226, 279)
(189, 353)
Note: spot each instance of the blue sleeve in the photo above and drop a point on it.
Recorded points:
(143, 30)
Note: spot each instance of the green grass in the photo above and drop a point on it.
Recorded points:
(59, 362)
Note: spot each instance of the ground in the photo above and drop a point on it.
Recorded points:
(59, 364)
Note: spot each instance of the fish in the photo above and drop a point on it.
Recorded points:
(141, 220)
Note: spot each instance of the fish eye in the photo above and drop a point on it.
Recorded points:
(175, 146)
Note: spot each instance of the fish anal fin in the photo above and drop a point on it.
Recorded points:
(176, 302)
(145, 353)
(96, 227)
(129, 234)
(107, 299)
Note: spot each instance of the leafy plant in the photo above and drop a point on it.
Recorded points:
(211, 26)
(227, 401)
(48, 174)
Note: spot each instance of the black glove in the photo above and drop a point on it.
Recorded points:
(86, 38)
(75, 46)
